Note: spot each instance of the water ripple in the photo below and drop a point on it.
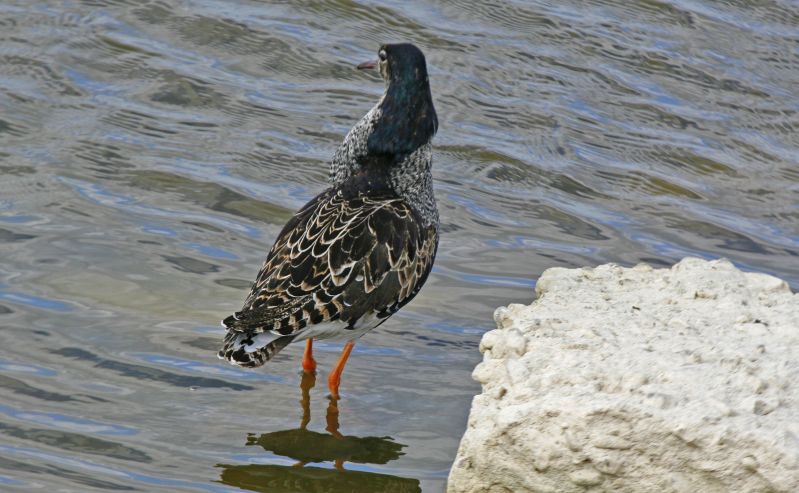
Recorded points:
(69, 423)
(152, 151)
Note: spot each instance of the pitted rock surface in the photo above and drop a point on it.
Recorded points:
(639, 380)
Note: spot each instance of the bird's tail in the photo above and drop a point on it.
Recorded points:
(251, 350)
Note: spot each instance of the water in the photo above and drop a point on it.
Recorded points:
(150, 152)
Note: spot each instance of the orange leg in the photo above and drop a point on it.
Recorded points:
(334, 379)
(308, 363)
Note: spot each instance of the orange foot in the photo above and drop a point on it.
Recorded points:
(308, 363)
(334, 379)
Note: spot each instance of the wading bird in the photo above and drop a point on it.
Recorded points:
(360, 250)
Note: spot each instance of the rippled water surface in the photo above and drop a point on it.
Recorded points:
(151, 150)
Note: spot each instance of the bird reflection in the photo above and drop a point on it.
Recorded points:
(305, 447)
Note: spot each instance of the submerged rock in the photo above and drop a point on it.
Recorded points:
(639, 380)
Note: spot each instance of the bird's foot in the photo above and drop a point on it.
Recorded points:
(308, 363)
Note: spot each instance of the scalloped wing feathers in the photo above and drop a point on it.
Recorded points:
(339, 260)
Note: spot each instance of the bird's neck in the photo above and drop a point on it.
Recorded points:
(408, 175)
(346, 161)
(413, 181)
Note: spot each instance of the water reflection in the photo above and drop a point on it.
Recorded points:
(288, 479)
(307, 447)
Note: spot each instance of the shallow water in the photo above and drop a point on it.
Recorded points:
(150, 151)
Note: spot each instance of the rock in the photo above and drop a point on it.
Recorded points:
(639, 380)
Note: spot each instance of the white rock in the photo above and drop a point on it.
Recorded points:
(646, 380)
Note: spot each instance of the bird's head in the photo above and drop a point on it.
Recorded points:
(399, 63)
(407, 117)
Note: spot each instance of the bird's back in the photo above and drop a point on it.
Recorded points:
(342, 265)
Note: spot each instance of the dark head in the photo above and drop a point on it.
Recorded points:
(408, 119)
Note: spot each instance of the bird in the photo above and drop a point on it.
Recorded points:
(360, 250)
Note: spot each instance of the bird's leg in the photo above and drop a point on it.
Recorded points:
(306, 384)
(308, 363)
(334, 379)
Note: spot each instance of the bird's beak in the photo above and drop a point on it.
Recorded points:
(367, 66)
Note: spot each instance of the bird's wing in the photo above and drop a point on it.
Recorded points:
(339, 258)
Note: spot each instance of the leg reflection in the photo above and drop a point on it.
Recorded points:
(309, 449)
(306, 384)
(332, 419)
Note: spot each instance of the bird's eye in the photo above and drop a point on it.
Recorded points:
(382, 55)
